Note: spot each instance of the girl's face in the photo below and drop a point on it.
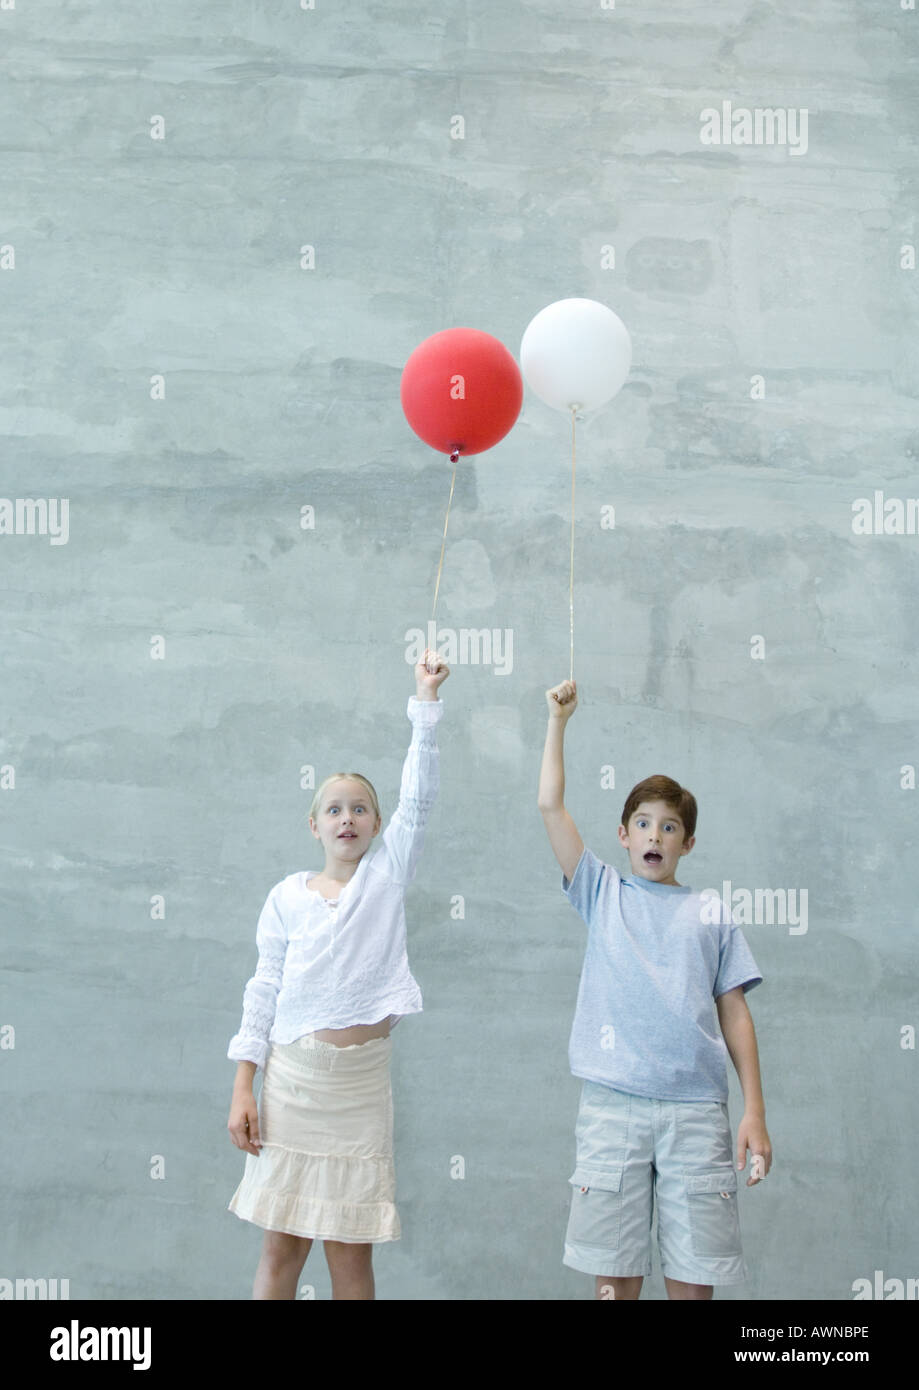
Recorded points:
(346, 822)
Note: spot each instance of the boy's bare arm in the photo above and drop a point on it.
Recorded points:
(561, 829)
(740, 1039)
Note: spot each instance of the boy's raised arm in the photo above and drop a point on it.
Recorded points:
(561, 829)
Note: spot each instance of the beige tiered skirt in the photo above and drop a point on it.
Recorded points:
(325, 1168)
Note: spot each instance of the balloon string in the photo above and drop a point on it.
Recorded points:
(571, 566)
(454, 457)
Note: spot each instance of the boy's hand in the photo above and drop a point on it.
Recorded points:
(562, 700)
(430, 673)
(752, 1135)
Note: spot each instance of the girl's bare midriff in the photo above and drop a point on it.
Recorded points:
(359, 1032)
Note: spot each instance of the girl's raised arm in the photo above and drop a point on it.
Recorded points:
(404, 835)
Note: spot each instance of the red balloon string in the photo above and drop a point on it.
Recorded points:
(454, 459)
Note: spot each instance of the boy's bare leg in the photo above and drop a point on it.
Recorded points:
(351, 1269)
(677, 1289)
(625, 1289)
(283, 1257)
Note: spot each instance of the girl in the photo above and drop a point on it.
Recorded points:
(332, 978)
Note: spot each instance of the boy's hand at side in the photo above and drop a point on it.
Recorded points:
(740, 1039)
(430, 674)
(752, 1135)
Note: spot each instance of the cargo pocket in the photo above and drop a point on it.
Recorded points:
(596, 1206)
(713, 1222)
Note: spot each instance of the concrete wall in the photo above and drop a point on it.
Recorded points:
(171, 368)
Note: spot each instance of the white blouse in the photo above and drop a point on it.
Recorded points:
(333, 963)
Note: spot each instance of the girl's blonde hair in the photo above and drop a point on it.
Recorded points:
(351, 777)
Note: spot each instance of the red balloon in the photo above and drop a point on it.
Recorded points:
(461, 391)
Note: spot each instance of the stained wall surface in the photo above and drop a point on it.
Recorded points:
(223, 230)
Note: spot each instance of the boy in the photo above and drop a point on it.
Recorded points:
(653, 1119)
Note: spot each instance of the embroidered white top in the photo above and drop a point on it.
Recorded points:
(335, 963)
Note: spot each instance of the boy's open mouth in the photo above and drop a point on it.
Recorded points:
(652, 857)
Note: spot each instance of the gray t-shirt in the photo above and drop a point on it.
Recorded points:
(655, 963)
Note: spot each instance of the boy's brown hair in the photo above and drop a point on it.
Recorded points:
(661, 788)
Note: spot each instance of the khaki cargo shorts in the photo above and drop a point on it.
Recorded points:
(634, 1153)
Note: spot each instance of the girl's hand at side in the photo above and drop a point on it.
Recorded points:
(243, 1122)
(562, 700)
(430, 674)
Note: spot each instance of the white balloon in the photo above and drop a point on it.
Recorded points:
(576, 353)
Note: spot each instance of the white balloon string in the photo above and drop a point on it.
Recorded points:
(455, 459)
(571, 565)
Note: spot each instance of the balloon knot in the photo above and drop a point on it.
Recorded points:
(454, 455)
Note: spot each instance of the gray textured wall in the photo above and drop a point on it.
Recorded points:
(126, 258)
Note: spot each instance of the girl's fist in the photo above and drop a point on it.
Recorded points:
(431, 672)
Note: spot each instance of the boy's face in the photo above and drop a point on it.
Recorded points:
(655, 840)
(346, 823)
